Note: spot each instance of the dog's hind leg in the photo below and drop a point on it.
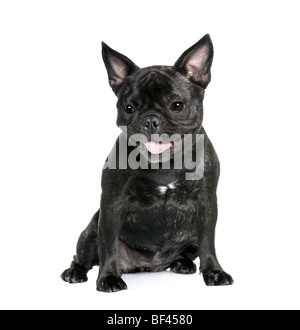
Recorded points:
(184, 263)
(87, 254)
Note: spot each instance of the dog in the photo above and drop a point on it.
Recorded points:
(154, 217)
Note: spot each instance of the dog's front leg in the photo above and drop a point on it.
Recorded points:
(213, 274)
(109, 279)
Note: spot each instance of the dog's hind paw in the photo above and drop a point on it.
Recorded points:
(74, 275)
(183, 266)
(217, 277)
(111, 284)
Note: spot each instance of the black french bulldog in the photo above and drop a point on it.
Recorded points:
(152, 218)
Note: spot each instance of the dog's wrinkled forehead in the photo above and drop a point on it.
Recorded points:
(154, 86)
(154, 79)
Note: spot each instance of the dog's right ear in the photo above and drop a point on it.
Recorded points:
(118, 67)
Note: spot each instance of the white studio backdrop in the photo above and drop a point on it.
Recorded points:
(57, 125)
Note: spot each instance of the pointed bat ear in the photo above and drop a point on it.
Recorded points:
(196, 61)
(118, 66)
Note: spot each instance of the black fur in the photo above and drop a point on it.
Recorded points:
(141, 226)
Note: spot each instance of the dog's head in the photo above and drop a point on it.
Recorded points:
(161, 101)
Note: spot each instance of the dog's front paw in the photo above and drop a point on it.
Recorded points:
(111, 284)
(217, 277)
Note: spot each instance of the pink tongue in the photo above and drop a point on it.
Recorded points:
(156, 147)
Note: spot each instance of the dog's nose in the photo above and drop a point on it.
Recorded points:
(152, 123)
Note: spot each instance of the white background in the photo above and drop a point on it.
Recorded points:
(57, 125)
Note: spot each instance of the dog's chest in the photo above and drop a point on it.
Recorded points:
(160, 217)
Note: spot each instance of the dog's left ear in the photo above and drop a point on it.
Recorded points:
(196, 61)
(118, 67)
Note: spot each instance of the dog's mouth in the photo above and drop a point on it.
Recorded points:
(157, 148)
(157, 145)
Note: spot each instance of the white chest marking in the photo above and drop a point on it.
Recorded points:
(163, 189)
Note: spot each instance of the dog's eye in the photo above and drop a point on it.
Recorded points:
(177, 106)
(129, 108)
